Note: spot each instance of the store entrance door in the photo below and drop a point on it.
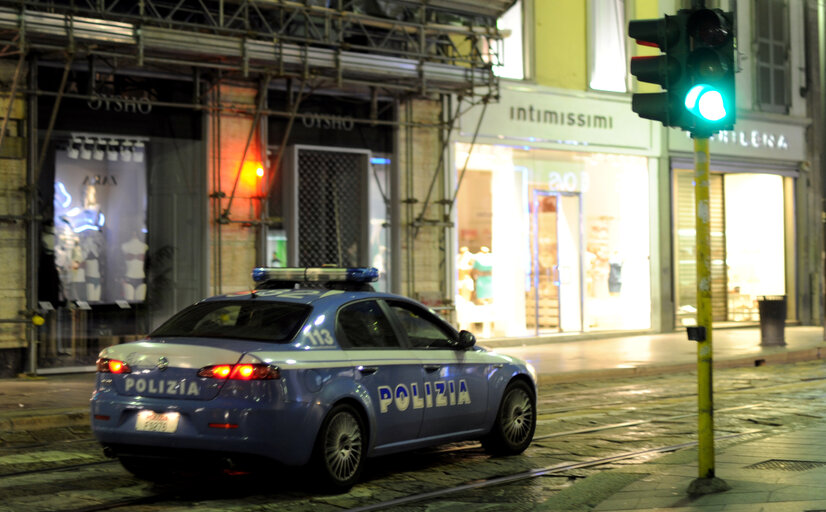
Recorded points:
(554, 298)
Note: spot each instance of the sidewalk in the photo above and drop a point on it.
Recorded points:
(784, 473)
(627, 356)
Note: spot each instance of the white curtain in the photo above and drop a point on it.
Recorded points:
(608, 55)
(511, 55)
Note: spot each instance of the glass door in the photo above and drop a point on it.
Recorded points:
(554, 297)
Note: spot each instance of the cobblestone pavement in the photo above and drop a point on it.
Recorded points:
(579, 421)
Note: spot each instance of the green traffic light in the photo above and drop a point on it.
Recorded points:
(705, 102)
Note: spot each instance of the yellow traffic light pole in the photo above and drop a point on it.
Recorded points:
(706, 482)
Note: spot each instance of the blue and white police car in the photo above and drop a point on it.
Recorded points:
(310, 368)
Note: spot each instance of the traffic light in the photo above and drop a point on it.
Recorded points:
(695, 69)
(710, 98)
(668, 70)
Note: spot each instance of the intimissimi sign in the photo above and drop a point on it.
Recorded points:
(545, 116)
(542, 117)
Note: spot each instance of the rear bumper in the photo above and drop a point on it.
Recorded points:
(224, 427)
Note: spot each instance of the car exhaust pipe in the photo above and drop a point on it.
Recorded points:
(109, 452)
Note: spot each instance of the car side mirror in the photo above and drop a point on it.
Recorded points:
(466, 340)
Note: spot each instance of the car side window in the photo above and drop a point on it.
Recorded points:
(363, 325)
(423, 330)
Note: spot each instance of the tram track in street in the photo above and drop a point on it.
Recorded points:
(67, 467)
(534, 473)
(129, 502)
(600, 428)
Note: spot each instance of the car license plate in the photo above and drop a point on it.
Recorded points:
(150, 421)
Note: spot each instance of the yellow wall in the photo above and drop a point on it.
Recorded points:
(560, 34)
(561, 41)
(644, 10)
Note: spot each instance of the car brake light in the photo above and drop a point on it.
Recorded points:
(105, 365)
(244, 371)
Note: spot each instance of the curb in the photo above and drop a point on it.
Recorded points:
(44, 420)
(796, 356)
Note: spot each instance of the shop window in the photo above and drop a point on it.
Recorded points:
(771, 42)
(607, 49)
(542, 251)
(510, 61)
(747, 244)
(99, 220)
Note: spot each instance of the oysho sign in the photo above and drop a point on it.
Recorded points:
(328, 122)
(111, 103)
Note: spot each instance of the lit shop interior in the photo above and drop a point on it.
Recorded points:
(99, 219)
(751, 218)
(551, 241)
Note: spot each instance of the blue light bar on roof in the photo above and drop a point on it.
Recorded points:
(316, 274)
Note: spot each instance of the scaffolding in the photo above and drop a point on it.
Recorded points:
(396, 50)
(409, 47)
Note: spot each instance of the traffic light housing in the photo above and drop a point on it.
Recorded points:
(668, 70)
(711, 97)
(695, 70)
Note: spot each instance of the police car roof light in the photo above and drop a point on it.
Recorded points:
(316, 274)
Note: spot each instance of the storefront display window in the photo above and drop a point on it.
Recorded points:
(100, 221)
(552, 241)
(748, 255)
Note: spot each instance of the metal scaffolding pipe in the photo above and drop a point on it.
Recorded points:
(11, 97)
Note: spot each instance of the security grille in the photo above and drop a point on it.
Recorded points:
(686, 265)
(787, 465)
(332, 208)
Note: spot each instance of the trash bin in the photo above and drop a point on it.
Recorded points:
(772, 319)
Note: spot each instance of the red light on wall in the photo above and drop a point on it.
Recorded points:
(251, 174)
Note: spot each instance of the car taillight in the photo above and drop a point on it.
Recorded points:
(242, 371)
(105, 365)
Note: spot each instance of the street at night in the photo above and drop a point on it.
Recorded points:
(594, 437)
(412, 255)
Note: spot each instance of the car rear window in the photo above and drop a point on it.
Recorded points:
(277, 322)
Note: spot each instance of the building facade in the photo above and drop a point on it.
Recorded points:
(576, 217)
(498, 175)
(154, 154)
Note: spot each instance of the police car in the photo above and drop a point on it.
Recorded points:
(310, 368)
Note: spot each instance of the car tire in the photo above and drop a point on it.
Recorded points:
(340, 448)
(515, 421)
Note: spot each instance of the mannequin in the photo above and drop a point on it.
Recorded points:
(134, 282)
(483, 298)
(482, 272)
(465, 264)
(87, 224)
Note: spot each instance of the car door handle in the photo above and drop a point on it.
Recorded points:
(368, 370)
(430, 368)
(499, 365)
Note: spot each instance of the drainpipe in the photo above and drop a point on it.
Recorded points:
(33, 234)
(395, 207)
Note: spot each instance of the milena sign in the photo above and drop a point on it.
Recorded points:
(751, 138)
(540, 117)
